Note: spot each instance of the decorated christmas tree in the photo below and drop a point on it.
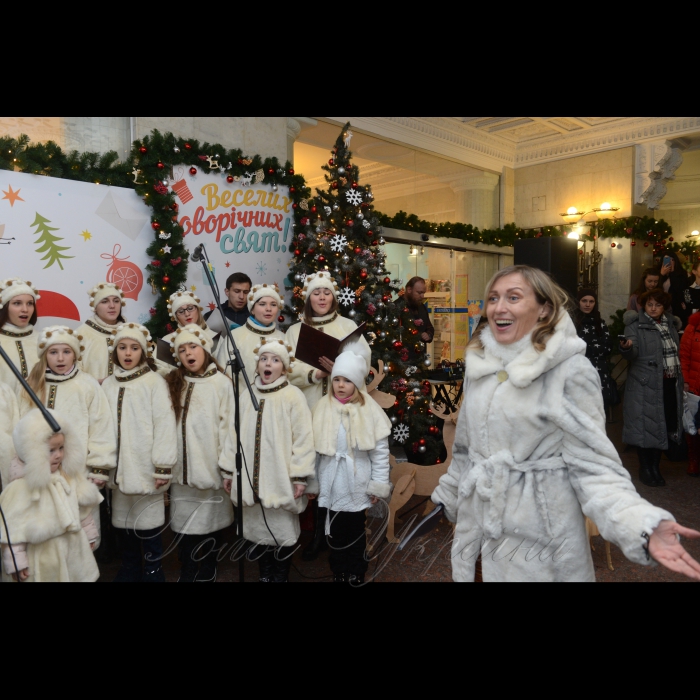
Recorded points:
(340, 232)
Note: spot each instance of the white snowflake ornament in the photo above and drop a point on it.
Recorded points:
(328, 210)
(411, 371)
(354, 198)
(346, 297)
(401, 433)
(367, 224)
(338, 244)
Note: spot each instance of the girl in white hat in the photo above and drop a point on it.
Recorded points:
(107, 302)
(265, 306)
(281, 459)
(145, 426)
(9, 417)
(203, 400)
(48, 508)
(18, 338)
(321, 312)
(60, 384)
(351, 433)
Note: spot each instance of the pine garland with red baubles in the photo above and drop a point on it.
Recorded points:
(340, 232)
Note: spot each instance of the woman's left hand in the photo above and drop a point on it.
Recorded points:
(299, 491)
(666, 549)
(160, 483)
(373, 500)
(326, 364)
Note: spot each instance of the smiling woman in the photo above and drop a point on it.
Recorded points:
(532, 456)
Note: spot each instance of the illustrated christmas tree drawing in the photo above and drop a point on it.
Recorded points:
(341, 233)
(48, 243)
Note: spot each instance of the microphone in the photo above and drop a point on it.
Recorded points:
(198, 253)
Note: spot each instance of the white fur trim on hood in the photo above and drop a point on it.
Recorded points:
(180, 299)
(135, 332)
(61, 335)
(103, 291)
(262, 291)
(280, 348)
(321, 280)
(189, 334)
(16, 287)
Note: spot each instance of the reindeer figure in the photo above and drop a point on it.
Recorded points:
(247, 179)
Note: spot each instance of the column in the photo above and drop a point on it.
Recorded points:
(478, 200)
(295, 125)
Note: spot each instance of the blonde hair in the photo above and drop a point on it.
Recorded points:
(547, 292)
(357, 397)
(37, 379)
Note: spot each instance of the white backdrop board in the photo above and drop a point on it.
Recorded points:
(70, 236)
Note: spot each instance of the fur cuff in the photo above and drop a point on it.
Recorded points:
(20, 551)
(313, 380)
(99, 474)
(163, 474)
(378, 490)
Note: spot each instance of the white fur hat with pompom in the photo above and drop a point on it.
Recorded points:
(191, 334)
(262, 291)
(180, 300)
(61, 335)
(321, 280)
(280, 348)
(104, 291)
(16, 287)
(135, 332)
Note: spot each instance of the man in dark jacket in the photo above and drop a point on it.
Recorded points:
(238, 288)
(415, 301)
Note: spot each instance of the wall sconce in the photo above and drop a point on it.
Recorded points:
(606, 211)
(414, 250)
(573, 215)
(694, 234)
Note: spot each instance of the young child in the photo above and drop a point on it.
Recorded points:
(279, 447)
(48, 509)
(145, 426)
(264, 304)
(9, 417)
(107, 301)
(203, 400)
(351, 433)
(59, 384)
(18, 316)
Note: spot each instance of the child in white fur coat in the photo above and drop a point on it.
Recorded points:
(48, 510)
(351, 433)
(9, 417)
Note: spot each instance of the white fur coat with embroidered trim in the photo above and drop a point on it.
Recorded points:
(278, 443)
(303, 375)
(207, 424)
(11, 346)
(9, 417)
(530, 459)
(247, 338)
(80, 399)
(144, 423)
(96, 356)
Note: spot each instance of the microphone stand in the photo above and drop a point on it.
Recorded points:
(237, 369)
(53, 424)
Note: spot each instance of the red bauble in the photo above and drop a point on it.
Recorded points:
(633, 244)
(398, 345)
(414, 332)
(334, 186)
(670, 240)
(230, 179)
(193, 171)
(386, 300)
(358, 251)
(350, 223)
(281, 319)
(422, 443)
(155, 226)
(613, 245)
(291, 172)
(387, 280)
(143, 150)
(271, 171)
(188, 147)
(364, 275)
(314, 210)
(354, 184)
(297, 253)
(160, 166)
(166, 280)
(331, 162)
(292, 189)
(646, 245)
(295, 206)
(321, 259)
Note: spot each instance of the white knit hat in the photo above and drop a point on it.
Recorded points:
(354, 364)
(61, 335)
(135, 332)
(104, 290)
(181, 299)
(280, 348)
(189, 334)
(321, 280)
(262, 291)
(15, 287)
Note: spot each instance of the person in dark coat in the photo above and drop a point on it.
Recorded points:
(654, 394)
(415, 301)
(594, 331)
(238, 288)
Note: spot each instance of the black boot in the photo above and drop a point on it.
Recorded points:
(282, 563)
(356, 581)
(655, 463)
(152, 542)
(646, 475)
(210, 550)
(319, 543)
(130, 571)
(188, 566)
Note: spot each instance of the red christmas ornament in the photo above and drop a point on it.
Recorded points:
(398, 345)
(354, 184)
(155, 226)
(127, 276)
(297, 252)
(630, 231)
(291, 172)
(334, 186)
(422, 443)
(153, 312)
(160, 166)
(331, 162)
(321, 259)
(193, 171)
(143, 150)
(350, 223)
(230, 179)
(156, 263)
(292, 189)
(188, 147)
(314, 210)
(271, 171)
(670, 240)
(166, 280)
(663, 242)
(358, 251)
(614, 245)
(633, 244)
(364, 275)
(387, 280)
(281, 319)
(169, 328)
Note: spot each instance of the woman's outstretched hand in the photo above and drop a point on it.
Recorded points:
(666, 549)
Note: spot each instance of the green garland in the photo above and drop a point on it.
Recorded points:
(150, 161)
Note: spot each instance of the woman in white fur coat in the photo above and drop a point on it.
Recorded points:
(279, 447)
(18, 339)
(108, 302)
(351, 433)
(48, 508)
(532, 457)
(203, 401)
(9, 417)
(145, 427)
(264, 304)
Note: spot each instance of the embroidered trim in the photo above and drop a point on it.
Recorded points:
(185, 411)
(120, 407)
(22, 359)
(110, 360)
(97, 328)
(52, 397)
(164, 472)
(208, 375)
(303, 480)
(99, 472)
(311, 376)
(326, 323)
(273, 391)
(227, 474)
(57, 379)
(260, 331)
(258, 442)
(146, 370)
(325, 386)
(10, 334)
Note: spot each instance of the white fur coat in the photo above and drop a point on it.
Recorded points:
(247, 338)
(80, 399)
(11, 345)
(531, 458)
(48, 514)
(9, 417)
(96, 356)
(145, 426)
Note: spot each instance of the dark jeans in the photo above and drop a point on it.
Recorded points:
(348, 543)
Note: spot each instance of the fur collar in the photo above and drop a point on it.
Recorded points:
(530, 364)
(252, 327)
(365, 425)
(103, 326)
(58, 378)
(264, 389)
(26, 332)
(211, 372)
